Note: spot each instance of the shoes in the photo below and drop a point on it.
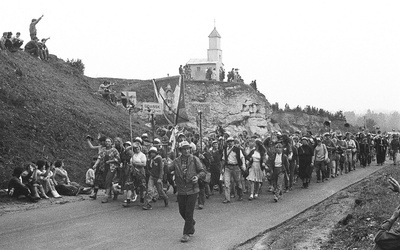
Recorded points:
(276, 198)
(43, 196)
(201, 206)
(147, 207)
(126, 203)
(166, 202)
(287, 190)
(134, 198)
(250, 197)
(318, 181)
(154, 200)
(240, 198)
(232, 196)
(255, 196)
(280, 192)
(226, 201)
(185, 238)
(93, 196)
(326, 179)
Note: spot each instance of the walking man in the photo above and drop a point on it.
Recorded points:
(188, 170)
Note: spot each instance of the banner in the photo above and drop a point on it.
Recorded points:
(170, 92)
(128, 98)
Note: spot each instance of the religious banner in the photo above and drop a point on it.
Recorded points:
(170, 92)
(128, 98)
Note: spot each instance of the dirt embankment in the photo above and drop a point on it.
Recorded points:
(347, 220)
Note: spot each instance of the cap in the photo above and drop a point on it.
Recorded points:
(127, 143)
(230, 139)
(181, 134)
(158, 141)
(145, 135)
(153, 150)
(138, 139)
(184, 144)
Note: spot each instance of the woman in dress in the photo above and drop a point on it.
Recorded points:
(305, 153)
(136, 175)
(257, 160)
(109, 161)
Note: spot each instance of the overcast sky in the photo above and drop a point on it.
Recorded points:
(335, 55)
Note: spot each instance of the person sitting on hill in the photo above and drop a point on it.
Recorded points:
(44, 55)
(17, 41)
(105, 89)
(63, 184)
(32, 47)
(3, 41)
(29, 178)
(43, 175)
(8, 43)
(16, 188)
(386, 238)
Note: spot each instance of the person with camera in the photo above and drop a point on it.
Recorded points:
(188, 170)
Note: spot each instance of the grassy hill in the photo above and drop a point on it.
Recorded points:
(48, 111)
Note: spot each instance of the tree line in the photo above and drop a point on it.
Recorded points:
(309, 110)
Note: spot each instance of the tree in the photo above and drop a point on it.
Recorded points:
(370, 124)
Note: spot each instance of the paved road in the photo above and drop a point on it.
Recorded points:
(92, 225)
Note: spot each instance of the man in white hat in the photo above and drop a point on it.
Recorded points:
(234, 163)
(156, 171)
(188, 170)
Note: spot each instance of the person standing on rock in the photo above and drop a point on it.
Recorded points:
(32, 27)
(188, 170)
(305, 153)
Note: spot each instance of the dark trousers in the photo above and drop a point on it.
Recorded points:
(186, 210)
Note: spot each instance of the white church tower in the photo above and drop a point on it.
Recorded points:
(214, 52)
(199, 67)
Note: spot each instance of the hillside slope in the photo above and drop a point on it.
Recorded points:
(48, 111)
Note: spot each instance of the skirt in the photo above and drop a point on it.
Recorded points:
(255, 173)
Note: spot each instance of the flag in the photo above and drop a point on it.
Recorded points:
(170, 92)
(172, 139)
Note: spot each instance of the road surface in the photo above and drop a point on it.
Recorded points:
(90, 224)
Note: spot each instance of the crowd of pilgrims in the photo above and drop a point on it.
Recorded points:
(234, 165)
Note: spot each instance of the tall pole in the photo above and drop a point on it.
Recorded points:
(130, 123)
(153, 129)
(201, 133)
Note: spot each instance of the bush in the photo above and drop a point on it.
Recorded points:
(78, 64)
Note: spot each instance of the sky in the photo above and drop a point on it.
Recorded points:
(335, 55)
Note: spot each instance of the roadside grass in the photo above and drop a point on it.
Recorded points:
(374, 202)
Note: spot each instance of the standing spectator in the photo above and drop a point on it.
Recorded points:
(32, 27)
(17, 41)
(306, 154)
(188, 170)
(320, 158)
